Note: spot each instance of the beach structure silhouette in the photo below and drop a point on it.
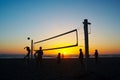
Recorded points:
(38, 53)
(86, 36)
(54, 48)
(60, 47)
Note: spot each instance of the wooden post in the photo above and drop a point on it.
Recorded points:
(86, 40)
(31, 49)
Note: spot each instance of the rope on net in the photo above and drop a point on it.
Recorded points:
(75, 30)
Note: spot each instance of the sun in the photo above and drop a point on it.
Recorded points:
(64, 52)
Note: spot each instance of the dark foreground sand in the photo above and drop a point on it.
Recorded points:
(69, 69)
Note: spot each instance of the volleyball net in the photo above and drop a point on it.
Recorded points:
(64, 40)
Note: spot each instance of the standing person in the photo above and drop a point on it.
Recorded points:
(62, 56)
(38, 55)
(59, 58)
(81, 56)
(96, 55)
(28, 52)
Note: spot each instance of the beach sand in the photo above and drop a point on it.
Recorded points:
(69, 69)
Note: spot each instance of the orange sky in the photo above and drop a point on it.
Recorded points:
(43, 19)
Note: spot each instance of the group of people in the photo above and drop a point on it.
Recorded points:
(81, 56)
(39, 53)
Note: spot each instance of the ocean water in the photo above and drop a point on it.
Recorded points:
(8, 56)
(11, 56)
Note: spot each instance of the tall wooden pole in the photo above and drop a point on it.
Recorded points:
(31, 49)
(86, 40)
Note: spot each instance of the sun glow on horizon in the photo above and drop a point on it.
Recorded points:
(22, 18)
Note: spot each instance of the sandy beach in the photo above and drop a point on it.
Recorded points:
(69, 69)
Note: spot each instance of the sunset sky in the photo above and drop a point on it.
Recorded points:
(41, 19)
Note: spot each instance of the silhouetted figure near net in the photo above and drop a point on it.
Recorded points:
(38, 55)
(28, 53)
(59, 58)
(81, 56)
(96, 55)
(62, 56)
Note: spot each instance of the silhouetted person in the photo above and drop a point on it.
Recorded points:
(96, 55)
(28, 52)
(81, 56)
(59, 58)
(62, 56)
(38, 55)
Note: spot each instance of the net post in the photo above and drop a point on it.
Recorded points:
(31, 49)
(86, 42)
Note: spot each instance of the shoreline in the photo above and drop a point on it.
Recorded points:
(91, 57)
(2, 56)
